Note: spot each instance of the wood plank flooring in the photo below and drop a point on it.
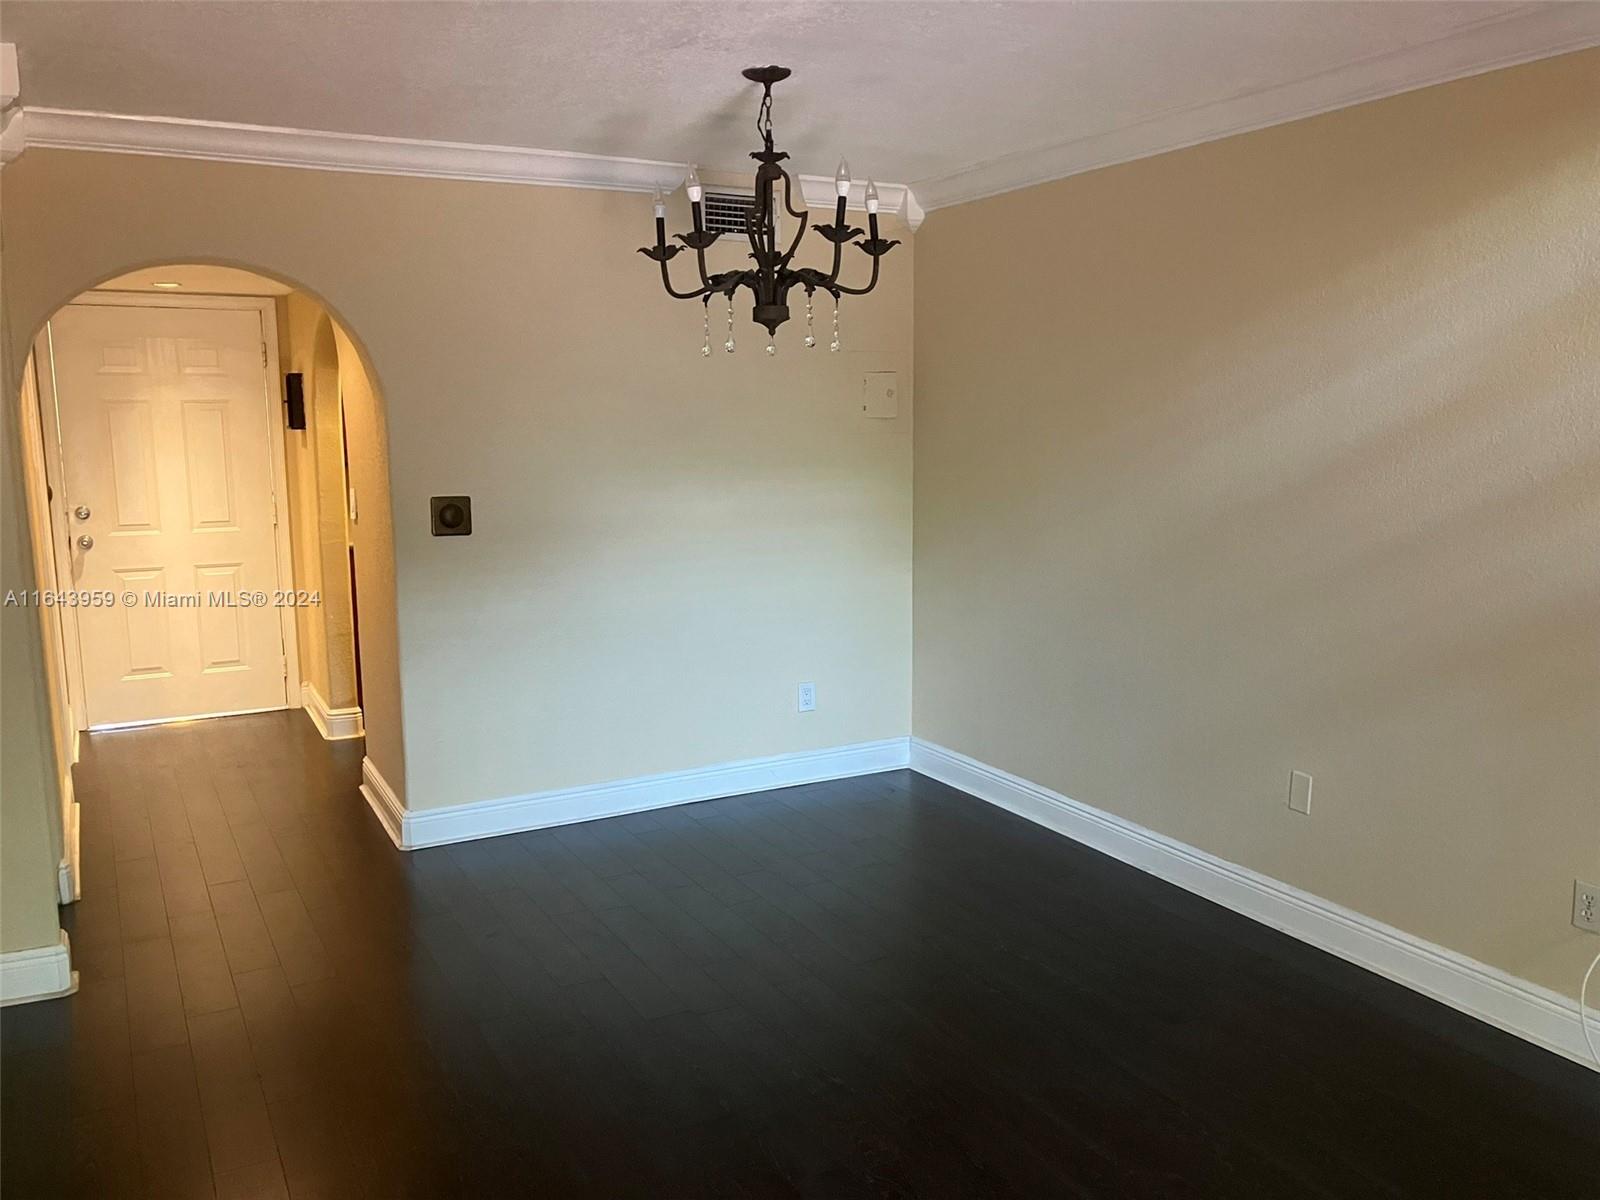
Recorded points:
(877, 987)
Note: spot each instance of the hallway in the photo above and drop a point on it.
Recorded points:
(873, 987)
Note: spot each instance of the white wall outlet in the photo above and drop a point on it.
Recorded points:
(1300, 792)
(805, 697)
(1586, 905)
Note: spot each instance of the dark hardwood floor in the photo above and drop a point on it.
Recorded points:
(875, 987)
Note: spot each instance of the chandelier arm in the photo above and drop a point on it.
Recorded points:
(838, 246)
(850, 291)
(666, 282)
(699, 250)
(803, 213)
(757, 252)
(663, 254)
(877, 249)
(799, 233)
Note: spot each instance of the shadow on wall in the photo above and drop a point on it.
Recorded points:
(1286, 448)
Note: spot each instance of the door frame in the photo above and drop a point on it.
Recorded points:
(266, 310)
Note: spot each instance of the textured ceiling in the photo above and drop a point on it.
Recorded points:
(908, 91)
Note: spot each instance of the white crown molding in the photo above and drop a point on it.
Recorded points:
(272, 145)
(1486, 45)
(1531, 1012)
(13, 134)
(276, 146)
(40, 974)
(413, 829)
(335, 724)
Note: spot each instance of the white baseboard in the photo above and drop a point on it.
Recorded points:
(69, 875)
(40, 974)
(69, 879)
(335, 724)
(540, 810)
(1527, 1010)
(384, 803)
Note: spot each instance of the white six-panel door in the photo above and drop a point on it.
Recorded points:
(167, 468)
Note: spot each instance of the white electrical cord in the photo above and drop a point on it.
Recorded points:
(1583, 1012)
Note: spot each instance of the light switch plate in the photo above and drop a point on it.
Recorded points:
(1300, 792)
(880, 394)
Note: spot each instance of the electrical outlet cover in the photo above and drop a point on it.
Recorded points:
(1586, 906)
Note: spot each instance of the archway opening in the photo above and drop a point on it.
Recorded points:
(163, 461)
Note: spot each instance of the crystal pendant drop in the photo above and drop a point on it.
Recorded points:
(705, 347)
(834, 345)
(771, 349)
(811, 338)
(728, 345)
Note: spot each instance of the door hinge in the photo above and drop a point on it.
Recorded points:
(263, 356)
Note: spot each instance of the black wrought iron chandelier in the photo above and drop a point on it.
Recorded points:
(772, 278)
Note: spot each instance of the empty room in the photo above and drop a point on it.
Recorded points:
(800, 600)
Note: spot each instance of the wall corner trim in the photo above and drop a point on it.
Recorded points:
(383, 802)
(42, 973)
(335, 724)
(414, 829)
(1515, 1005)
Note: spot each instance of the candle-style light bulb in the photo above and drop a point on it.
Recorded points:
(692, 185)
(841, 178)
(660, 203)
(872, 197)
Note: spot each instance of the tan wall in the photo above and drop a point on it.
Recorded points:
(29, 840)
(297, 325)
(372, 537)
(664, 545)
(36, 483)
(315, 463)
(1284, 452)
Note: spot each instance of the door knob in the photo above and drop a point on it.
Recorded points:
(81, 512)
(86, 541)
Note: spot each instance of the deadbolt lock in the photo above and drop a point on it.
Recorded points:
(81, 512)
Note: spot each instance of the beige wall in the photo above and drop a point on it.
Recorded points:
(296, 339)
(664, 545)
(372, 537)
(1284, 452)
(29, 839)
(35, 474)
(315, 464)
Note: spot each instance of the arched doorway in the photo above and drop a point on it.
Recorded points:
(155, 427)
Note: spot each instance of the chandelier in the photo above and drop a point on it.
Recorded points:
(772, 278)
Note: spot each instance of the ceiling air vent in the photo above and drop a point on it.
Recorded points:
(725, 211)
